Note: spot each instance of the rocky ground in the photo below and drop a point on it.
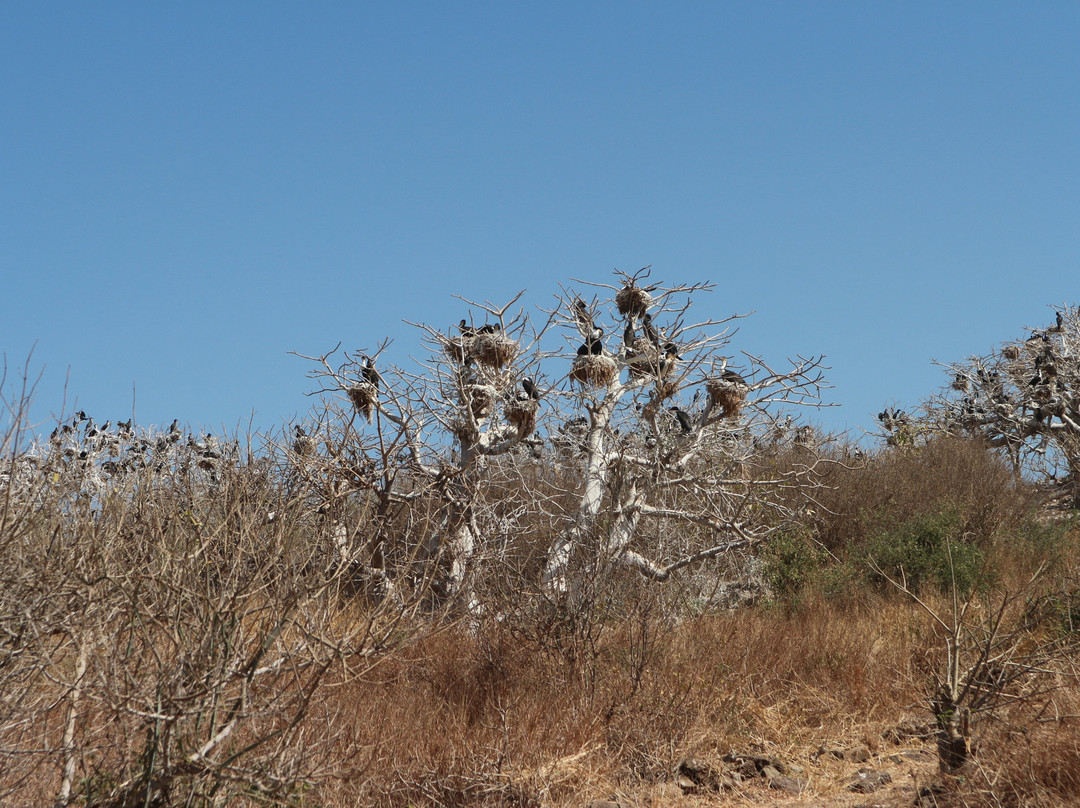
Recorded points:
(901, 771)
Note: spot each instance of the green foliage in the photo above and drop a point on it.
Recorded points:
(791, 561)
(929, 550)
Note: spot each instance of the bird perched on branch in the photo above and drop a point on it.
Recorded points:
(684, 419)
(368, 372)
(593, 345)
(529, 386)
(650, 330)
(583, 316)
(304, 444)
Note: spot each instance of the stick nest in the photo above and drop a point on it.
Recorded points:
(645, 358)
(480, 399)
(594, 370)
(493, 350)
(666, 389)
(522, 415)
(460, 349)
(728, 395)
(363, 396)
(633, 300)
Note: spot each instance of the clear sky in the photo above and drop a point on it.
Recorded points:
(188, 191)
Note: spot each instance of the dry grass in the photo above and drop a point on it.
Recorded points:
(191, 605)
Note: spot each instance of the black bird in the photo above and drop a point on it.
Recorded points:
(732, 377)
(583, 317)
(368, 372)
(530, 389)
(466, 329)
(490, 328)
(684, 419)
(629, 335)
(594, 346)
(650, 330)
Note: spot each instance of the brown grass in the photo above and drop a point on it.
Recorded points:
(179, 579)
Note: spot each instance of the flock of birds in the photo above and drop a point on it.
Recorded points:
(95, 458)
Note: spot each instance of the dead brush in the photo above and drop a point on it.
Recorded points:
(594, 370)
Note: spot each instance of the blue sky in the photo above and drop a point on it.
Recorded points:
(189, 191)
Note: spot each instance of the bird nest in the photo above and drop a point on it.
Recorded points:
(665, 389)
(521, 414)
(479, 398)
(460, 349)
(493, 350)
(960, 382)
(633, 300)
(594, 370)
(363, 397)
(1011, 352)
(463, 429)
(728, 395)
(645, 358)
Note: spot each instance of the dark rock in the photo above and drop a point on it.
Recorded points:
(857, 754)
(749, 766)
(694, 776)
(911, 755)
(789, 785)
(869, 780)
(906, 730)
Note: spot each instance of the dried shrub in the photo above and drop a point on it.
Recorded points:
(864, 498)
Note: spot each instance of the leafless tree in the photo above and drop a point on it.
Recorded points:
(437, 425)
(169, 616)
(1023, 398)
(697, 478)
(606, 436)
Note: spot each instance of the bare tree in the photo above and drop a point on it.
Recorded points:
(471, 399)
(169, 615)
(622, 461)
(1023, 398)
(696, 477)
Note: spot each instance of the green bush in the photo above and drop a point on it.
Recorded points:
(929, 550)
(791, 561)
